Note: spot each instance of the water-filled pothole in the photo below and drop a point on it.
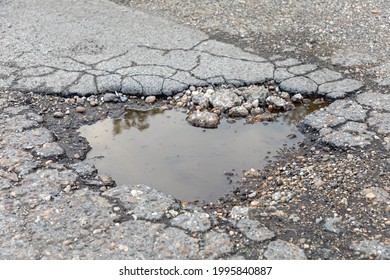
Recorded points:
(160, 149)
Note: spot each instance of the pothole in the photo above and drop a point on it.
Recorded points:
(158, 147)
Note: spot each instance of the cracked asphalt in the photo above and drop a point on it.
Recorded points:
(326, 199)
(103, 56)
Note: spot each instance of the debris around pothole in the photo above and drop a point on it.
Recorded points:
(203, 119)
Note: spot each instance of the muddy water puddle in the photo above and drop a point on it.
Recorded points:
(160, 149)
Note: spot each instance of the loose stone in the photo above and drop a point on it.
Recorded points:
(239, 111)
(93, 103)
(225, 99)
(285, 96)
(203, 119)
(58, 115)
(80, 109)
(257, 111)
(330, 224)
(278, 102)
(109, 97)
(123, 98)
(267, 116)
(297, 98)
(150, 99)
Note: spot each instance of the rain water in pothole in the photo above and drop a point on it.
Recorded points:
(160, 149)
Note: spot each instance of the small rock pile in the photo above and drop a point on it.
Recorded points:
(206, 106)
(257, 103)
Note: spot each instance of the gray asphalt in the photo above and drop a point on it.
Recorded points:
(87, 47)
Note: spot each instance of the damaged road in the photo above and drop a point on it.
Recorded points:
(328, 198)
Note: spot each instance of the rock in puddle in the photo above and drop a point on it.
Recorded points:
(203, 119)
(239, 111)
(279, 103)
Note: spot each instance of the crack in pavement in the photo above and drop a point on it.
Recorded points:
(140, 56)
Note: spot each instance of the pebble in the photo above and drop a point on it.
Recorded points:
(330, 225)
(80, 109)
(294, 217)
(58, 115)
(285, 95)
(297, 98)
(255, 103)
(150, 99)
(255, 203)
(252, 194)
(203, 119)
(370, 195)
(123, 98)
(239, 111)
(109, 97)
(93, 103)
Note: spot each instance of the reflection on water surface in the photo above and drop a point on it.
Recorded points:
(160, 149)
